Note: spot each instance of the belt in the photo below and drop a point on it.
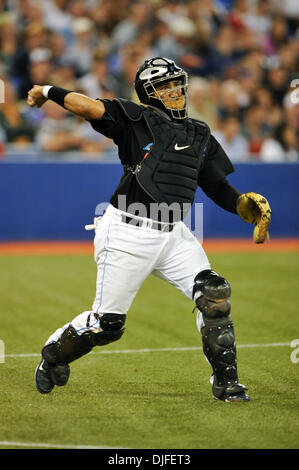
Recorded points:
(163, 227)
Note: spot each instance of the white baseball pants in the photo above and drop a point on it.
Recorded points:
(126, 254)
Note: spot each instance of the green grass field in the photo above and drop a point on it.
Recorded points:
(157, 399)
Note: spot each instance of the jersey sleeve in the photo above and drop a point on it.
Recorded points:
(113, 122)
(216, 164)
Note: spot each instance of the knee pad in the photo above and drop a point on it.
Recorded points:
(112, 321)
(215, 292)
(112, 326)
(71, 346)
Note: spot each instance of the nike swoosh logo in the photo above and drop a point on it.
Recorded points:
(176, 147)
(41, 367)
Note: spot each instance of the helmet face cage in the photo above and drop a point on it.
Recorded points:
(158, 71)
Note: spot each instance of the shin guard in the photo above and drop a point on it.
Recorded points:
(71, 346)
(217, 331)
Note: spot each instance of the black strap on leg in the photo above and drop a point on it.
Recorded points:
(71, 346)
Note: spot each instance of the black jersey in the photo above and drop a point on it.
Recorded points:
(211, 177)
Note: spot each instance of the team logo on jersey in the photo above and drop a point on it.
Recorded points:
(148, 146)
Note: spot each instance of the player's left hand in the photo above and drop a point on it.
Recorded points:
(255, 209)
(36, 97)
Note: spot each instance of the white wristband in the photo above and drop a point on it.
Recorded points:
(46, 90)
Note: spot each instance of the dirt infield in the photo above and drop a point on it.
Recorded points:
(210, 245)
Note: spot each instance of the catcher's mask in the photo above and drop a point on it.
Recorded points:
(155, 73)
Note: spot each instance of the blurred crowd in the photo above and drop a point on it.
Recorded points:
(242, 58)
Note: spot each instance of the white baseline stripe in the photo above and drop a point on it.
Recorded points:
(123, 351)
(137, 351)
(36, 445)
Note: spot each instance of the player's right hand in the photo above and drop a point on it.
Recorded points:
(36, 97)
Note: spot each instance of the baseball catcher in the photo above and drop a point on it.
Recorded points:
(165, 156)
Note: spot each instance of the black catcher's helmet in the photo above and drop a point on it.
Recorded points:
(154, 72)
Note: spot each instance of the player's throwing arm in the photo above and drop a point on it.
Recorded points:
(76, 103)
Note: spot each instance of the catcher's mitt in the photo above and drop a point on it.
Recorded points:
(255, 209)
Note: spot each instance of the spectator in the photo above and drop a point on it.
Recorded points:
(223, 55)
(107, 15)
(127, 30)
(243, 53)
(39, 69)
(182, 44)
(255, 128)
(289, 57)
(33, 37)
(230, 137)
(248, 79)
(57, 132)
(8, 40)
(232, 99)
(131, 55)
(206, 14)
(57, 18)
(93, 143)
(57, 46)
(15, 126)
(273, 113)
(282, 147)
(80, 53)
(258, 19)
(277, 36)
(278, 82)
(64, 75)
(28, 13)
(201, 105)
(289, 10)
(78, 9)
(98, 79)
(60, 132)
(64, 71)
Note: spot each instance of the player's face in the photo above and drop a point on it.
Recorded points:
(171, 94)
